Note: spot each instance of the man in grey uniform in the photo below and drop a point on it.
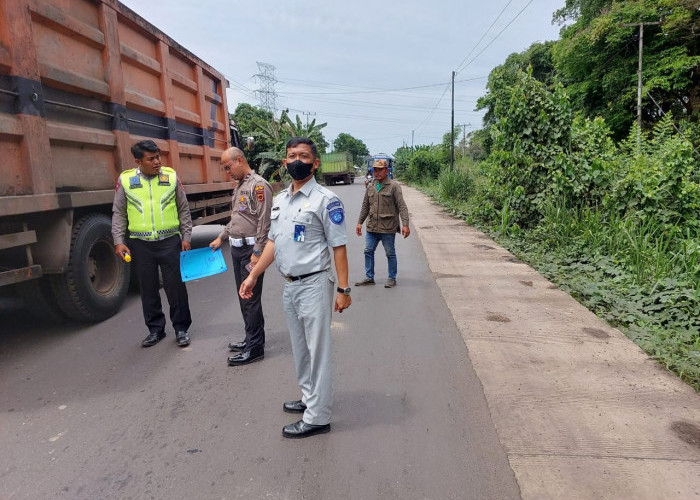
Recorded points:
(247, 234)
(306, 220)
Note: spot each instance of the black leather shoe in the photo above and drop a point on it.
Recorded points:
(153, 338)
(236, 346)
(246, 357)
(294, 406)
(301, 429)
(183, 338)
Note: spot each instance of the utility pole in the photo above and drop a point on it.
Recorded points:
(464, 134)
(452, 127)
(307, 113)
(639, 71)
(412, 132)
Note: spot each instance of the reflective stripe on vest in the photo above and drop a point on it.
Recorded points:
(151, 205)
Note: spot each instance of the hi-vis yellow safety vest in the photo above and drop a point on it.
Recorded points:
(151, 205)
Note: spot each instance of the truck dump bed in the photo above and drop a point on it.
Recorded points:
(80, 82)
(337, 167)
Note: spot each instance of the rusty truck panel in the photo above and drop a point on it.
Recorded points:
(80, 82)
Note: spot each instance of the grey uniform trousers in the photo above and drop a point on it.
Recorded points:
(308, 304)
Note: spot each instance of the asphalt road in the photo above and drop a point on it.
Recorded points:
(87, 413)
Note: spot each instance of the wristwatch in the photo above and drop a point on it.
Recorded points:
(344, 291)
(257, 252)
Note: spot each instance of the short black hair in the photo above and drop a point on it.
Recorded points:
(295, 141)
(142, 147)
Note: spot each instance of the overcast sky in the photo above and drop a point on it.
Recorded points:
(378, 70)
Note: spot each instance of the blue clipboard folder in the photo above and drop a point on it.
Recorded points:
(200, 263)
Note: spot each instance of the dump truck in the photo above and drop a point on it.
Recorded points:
(80, 82)
(337, 167)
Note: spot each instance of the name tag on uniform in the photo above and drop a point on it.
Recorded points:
(299, 232)
(134, 182)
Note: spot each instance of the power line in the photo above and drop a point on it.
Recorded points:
(459, 67)
(380, 91)
(370, 104)
(430, 115)
(368, 118)
(497, 35)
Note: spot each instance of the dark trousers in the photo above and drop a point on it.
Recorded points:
(147, 257)
(251, 309)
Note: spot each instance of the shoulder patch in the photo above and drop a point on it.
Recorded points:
(119, 183)
(260, 193)
(333, 204)
(337, 216)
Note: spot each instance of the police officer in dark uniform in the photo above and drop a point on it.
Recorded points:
(150, 202)
(247, 234)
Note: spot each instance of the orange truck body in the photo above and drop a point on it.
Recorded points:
(80, 82)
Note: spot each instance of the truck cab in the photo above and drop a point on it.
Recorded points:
(381, 156)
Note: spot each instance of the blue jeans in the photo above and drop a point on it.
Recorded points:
(371, 242)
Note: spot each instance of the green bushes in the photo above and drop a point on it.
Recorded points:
(455, 184)
(617, 226)
(424, 164)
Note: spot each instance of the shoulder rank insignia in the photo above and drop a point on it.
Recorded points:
(260, 193)
(337, 216)
(135, 181)
(163, 180)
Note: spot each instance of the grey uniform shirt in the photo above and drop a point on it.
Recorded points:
(303, 226)
(250, 216)
(120, 222)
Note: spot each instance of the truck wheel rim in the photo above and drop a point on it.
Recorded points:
(102, 267)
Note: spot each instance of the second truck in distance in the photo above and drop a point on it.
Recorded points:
(337, 167)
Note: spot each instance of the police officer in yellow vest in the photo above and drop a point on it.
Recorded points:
(150, 202)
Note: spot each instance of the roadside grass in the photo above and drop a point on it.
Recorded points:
(631, 272)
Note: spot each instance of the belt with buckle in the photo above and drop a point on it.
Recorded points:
(302, 276)
(239, 242)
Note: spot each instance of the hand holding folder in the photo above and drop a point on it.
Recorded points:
(200, 263)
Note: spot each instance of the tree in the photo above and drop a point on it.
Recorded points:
(310, 130)
(347, 143)
(583, 10)
(538, 57)
(248, 118)
(597, 59)
(477, 144)
(402, 157)
(276, 135)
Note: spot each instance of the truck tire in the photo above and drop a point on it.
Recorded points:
(96, 281)
(39, 300)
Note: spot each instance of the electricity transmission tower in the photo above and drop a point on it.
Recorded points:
(266, 93)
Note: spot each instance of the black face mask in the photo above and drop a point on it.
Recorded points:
(299, 170)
